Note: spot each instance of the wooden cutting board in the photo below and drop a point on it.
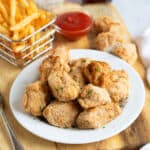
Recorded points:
(132, 138)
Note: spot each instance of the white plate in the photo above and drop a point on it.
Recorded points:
(76, 136)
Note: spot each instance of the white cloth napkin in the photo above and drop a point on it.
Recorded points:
(145, 147)
(143, 43)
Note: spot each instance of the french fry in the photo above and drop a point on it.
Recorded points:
(4, 30)
(1, 19)
(38, 36)
(25, 32)
(31, 30)
(32, 40)
(19, 48)
(32, 7)
(12, 12)
(15, 36)
(19, 19)
(24, 22)
(3, 11)
(24, 3)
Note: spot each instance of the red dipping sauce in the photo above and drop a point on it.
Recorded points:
(74, 24)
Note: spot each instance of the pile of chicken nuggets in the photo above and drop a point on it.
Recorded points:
(81, 93)
(112, 37)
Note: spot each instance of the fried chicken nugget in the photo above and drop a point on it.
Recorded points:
(48, 63)
(61, 114)
(92, 96)
(77, 75)
(35, 98)
(106, 24)
(63, 87)
(126, 51)
(95, 71)
(76, 71)
(63, 52)
(117, 84)
(106, 40)
(98, 116)
(81, 62)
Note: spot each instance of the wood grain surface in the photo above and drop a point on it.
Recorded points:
(132, 138)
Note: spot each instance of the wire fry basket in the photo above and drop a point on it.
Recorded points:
(22, 52)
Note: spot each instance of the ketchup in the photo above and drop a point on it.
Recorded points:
(74, 24)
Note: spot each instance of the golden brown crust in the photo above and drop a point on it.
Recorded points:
(106, 24)
(106, 40)
(76, 71)
(63, 87)
(127, 52)
(98, 116)
(48, 64)
(117, 84)
(95, 71)
(92, 96)
(35, 98)
(61, 114)
(81, 62)
(63, 52)
(77, 75)
(109, 33)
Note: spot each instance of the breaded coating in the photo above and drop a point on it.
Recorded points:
(106, 24)
(63, 52)
(35, 98)
(48, 63)
(106, 40)
(63, 87)
(76, 71)
(126, 51)
(117, 84)
(61, 114)
(81, 62)
(98, 116)
(77, 75)
(92, 96)
(95, 71)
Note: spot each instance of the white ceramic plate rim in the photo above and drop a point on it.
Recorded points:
(75, 136)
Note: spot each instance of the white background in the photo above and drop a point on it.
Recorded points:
(136, 14)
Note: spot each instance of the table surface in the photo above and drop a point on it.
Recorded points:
(132, 138)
